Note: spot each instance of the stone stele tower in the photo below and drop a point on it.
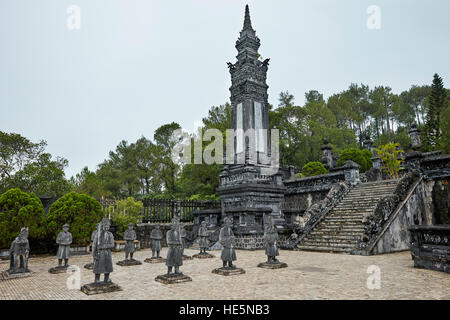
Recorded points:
(249, 194)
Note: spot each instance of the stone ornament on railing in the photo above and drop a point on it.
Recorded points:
(374, 221)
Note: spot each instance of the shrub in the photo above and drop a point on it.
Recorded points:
(298, 175)
(80, 211)
(125, 212)
(313, 169)
(361, 157)
(390, 157)
(19, 209)
(203, 197)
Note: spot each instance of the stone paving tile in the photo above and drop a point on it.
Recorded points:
(310, 275)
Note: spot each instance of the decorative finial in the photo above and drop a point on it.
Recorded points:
(247, 21)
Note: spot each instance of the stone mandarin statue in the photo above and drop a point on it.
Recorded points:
(90, 265)
(129, 237)
(226, 239)
(271, 245)
(64, 240)
(101, 250)
(203, 242)
(270, 241)
(156, 237)
(203, 234)
(175, 251)
(19, 253)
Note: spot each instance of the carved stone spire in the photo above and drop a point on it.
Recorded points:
(247, 21)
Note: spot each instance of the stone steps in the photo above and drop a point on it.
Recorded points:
(342, 228)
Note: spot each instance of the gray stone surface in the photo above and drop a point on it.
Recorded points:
(174, 278)
(272, 265)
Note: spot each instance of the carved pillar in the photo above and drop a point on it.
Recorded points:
(351, 171)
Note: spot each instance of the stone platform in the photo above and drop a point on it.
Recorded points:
(89, 266)
(6, 275)
(173, 278)
(126, 263)
(98, 288)
(58, 269)
(228, 271)
(272, 265)
(203, 256)
(155, 260)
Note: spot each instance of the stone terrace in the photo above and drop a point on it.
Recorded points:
(310, 275)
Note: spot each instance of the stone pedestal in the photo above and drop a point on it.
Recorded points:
(58, 269)
(7, 275)
(272, 265)
(172, 278)
(203, 255)
(98, 288)
(126, 263)
(185, 257)
(89, 265)
(155, 260)
(226, 271)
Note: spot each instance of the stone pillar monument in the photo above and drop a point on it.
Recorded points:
(248, 192)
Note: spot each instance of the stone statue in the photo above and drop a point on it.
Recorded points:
(226, 239)
(156, 237)
(101, 250)
(19, 253)
(174, 255)
(203, 234)
(203, 242)
(175, 252)
(129, 236)
(271, 245)
(64, 239)
(90, 265)
(270, 242)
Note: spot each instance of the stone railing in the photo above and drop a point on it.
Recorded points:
(375, 223)
(304, 224)
(430, 247)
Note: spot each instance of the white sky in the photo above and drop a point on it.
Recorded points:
(138, 64)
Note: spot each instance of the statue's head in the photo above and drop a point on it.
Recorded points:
(105, 224)
(23, 233)
(157, 226)
(204, 223)
(130, 226)
(175, 223)
(65, 227)
(227, 221)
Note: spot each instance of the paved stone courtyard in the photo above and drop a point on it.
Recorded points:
(310, 275)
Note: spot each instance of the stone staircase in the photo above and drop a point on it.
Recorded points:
(341, 229)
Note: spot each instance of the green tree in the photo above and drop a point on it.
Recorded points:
(80, 211)
(165, 142)
(361, 157)
(437, 103)
(25, 165)
(125, 212)
(19, 209)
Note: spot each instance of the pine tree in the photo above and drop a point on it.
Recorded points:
(437, 99)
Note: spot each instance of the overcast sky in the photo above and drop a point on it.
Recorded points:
(135, 65)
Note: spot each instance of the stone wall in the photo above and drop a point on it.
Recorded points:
(412, 212)
(302, 193)
(144, 230)
(256, 242)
